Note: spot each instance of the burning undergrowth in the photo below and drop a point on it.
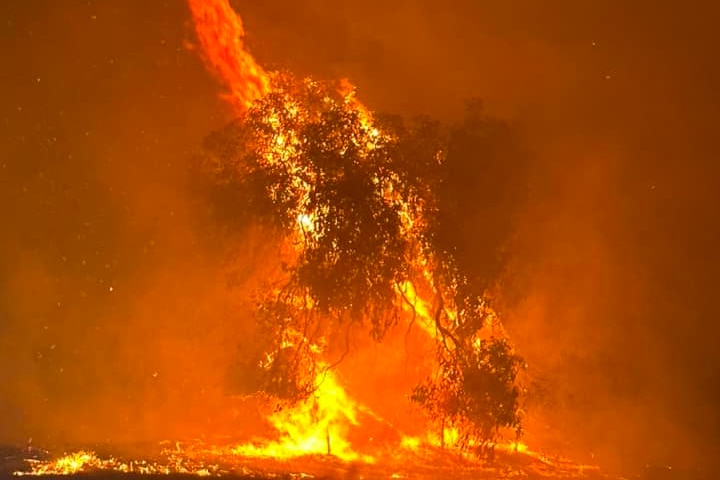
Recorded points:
(200, 459)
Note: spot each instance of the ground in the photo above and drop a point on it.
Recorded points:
(429, 464)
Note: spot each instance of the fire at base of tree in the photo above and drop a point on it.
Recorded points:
(364, 220)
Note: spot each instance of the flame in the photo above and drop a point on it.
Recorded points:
(69, 464)
(408, 461)
(86, 461)
(418, 307)
(220, 33)
(316, 426)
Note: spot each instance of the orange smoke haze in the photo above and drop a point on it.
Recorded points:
(123, 302)
(118, 323)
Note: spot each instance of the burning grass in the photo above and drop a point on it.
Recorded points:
(426, 462)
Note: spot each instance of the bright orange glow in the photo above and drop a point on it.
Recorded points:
(200, 459)
(220, 34)
(85, 461)
(419, 307)
(69, 464)
(316, 426)
(321, 424)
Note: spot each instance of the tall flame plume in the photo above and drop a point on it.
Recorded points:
(221, 35)
(221, 38)
(316, 425)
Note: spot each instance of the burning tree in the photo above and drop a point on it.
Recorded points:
(353, 200)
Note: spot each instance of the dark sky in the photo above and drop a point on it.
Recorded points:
(614, 270)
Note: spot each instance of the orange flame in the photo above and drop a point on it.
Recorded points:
(220, 33)
(316, 426)
(75, 462)
(86, 461)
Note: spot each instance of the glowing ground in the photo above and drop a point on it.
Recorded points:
(427, 463)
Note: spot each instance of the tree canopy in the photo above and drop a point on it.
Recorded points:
(367, 209)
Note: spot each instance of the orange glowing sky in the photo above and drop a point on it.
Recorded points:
(112, 276)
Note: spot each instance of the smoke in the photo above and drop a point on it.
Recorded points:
(117, 320)
(608, 293)
(118, 323)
